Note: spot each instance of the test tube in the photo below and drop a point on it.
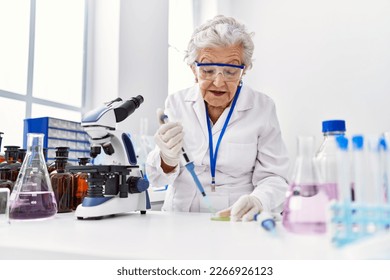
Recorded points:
(343, 170)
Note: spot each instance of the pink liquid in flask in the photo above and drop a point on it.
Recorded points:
(305, 209)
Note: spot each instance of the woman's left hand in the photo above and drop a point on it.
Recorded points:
(244, 209)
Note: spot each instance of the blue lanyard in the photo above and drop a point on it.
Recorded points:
(213, 156)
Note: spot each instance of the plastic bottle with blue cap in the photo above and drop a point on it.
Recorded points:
(326, 156)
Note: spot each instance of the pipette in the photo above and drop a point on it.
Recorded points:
(190, 167)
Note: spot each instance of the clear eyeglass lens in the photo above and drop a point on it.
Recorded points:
(211, 72)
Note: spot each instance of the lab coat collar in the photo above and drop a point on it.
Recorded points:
(244, 102)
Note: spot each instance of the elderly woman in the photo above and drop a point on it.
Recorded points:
(230, 131)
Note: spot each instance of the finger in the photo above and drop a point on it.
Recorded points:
(241, 207)
(169, 130)
(224, 213)
(250, 214)
(175, 141)
(177, 148)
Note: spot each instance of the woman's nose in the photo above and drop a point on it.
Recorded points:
(219, 80)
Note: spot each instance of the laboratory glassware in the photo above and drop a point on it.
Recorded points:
(60, 152)
(11, 153)
(5, 175)
(4, 208)
(80, 184)
(326, 156)
(63, 187)
(21, 155)
(2, 157)
(343, 165)
(386, 136)
(305, 209)
(11, 161)
(368, 180)
(32, 196)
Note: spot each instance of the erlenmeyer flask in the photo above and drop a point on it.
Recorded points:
(307, 201)
(32, 196)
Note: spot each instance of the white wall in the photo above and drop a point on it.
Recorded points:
(130, 57)
(317, 59)
(321, 60)
(143, 58)
(103, 57)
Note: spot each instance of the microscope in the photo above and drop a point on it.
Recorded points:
(115, 182)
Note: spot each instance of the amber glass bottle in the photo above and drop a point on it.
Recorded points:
(11, 161)
(5, 175)
(2, 157)
(80, 183)
(21, 155)
(60, 152)
(63, 187)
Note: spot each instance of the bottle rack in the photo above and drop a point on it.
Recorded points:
(352, 222)
(59, 133)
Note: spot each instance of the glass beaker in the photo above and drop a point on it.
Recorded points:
(32, 196)
(305, 209)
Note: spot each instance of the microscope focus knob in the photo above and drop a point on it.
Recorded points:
(137, 184)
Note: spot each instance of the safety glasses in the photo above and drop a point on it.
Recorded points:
(210, 71)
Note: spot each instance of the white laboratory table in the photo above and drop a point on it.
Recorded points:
(167, 235)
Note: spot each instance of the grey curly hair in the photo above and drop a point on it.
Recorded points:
(221, 31)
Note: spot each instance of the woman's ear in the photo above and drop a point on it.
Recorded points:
(194, 71)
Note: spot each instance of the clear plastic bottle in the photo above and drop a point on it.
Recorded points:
(305, 209)
(32, 196)
(63, 187)
(326, 158)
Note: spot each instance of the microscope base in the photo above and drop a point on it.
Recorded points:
(112, 206)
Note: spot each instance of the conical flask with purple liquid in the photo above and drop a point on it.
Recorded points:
(305, 209)
(33, 197)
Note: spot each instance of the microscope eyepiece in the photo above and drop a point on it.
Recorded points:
(138, 100)
(127, 108)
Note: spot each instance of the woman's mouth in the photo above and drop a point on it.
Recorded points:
(217, 93)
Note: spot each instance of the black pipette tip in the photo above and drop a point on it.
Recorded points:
(163, 117)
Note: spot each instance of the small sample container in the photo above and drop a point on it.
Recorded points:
(4, 206)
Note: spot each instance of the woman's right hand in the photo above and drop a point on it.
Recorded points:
(169, 138)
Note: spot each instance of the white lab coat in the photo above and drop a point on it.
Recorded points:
(252, 157)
